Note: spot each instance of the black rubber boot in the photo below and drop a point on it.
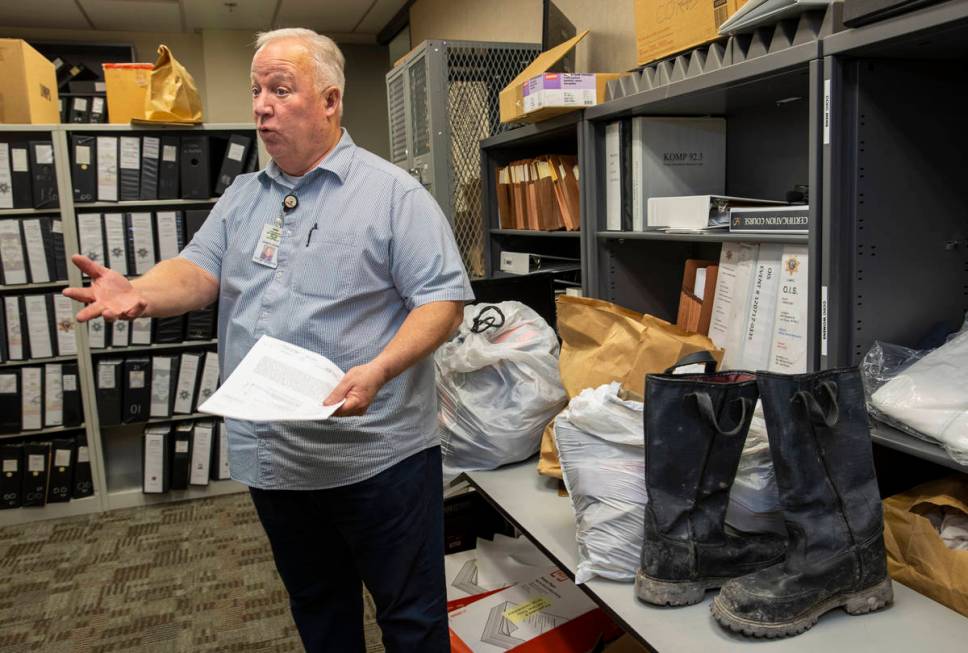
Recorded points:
(695, 428)
(821, 446)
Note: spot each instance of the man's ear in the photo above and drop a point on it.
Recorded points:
(332, 98)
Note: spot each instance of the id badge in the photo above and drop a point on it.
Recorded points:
(267, 249)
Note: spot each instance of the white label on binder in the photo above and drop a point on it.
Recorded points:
(30, 379)
(11, 253)
(119, 334)
(823, 320)
(136, 379)
(15, 337)
(82, 155)
(70, 383)
(64, 325)
(826, 112)
(10, 466)
(223, 452)
(154, 462)
(80, 104)
(169, 153)
(167, 234)
(116, 256)
(141, 331)
(201, 455)
(89, 235)
(36, 253)
(19, 156)
(97, 332)
(62, 458)
(6, 180)
(56, 227)
(187, 374)
(38, 326)
(97, 105)
(181, 446)
(209, 382)
(144, 242)
(35, 462)
(8, 384)
(236, 150)
(152, 144)
(107, 170)
(130, 152)
(44, 154)
(105, 376)
(53, 395)
(83, 454)
(160, 386)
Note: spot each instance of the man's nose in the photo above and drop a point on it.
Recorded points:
(262, 105)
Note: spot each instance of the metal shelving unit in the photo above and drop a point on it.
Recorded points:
(47, 431)
(160, 346)
(134, 497)
(103, 499)
(38, 361)
(705, 237)
(531, 502)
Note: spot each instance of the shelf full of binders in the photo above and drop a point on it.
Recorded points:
(154, 165)
(35, 473)
(28, 180)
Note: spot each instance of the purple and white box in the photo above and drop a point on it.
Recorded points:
(560, 90)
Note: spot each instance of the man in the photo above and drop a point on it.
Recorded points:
(333, 249)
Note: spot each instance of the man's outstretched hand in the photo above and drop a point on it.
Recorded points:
(358, 387)
(110, 294)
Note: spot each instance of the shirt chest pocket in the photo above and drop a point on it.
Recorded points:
(326, 267)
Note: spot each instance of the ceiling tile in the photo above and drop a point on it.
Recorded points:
(134, 15)
(380, 15)
(253, 15)
(51, 14)
(324, 17)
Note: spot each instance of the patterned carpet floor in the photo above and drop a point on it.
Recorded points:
(195, 576)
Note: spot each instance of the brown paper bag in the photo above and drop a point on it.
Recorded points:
(602, 342)
(172, 95)
(916, 554)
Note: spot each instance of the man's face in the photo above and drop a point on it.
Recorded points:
(290, 111)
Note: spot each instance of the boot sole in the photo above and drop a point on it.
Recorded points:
(855, 603)
(673, 593)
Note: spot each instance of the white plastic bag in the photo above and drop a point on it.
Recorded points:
(600, 442)
(754, 499)
(929, 397)
(498, 387)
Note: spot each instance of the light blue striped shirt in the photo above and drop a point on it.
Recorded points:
(381, 248)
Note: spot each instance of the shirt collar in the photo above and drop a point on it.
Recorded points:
(338, 161)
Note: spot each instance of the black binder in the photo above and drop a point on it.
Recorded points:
(194, 219)
(42, 176)
(625, 162)
(168, 329)
(109, 393)
(108, 164)
(236, 156)
(201, 158)
(4, 354)
(139, 228)
(62, 70)
(11, 475)
(63, 106)
(98, 109)
(79, 110)
(252, 165)
(58, 251)
(73, 412)
(36, 472)
(23, 196)
(50, 248)
(169, 170)
(87, 87)
(137, 389)
(129, 167)
(84, 167)
(181, 455)
(201, 324)
(10, 406)
(24, 331)
(83, 479)
(60, 486)
(220, 447)
(150, 158)
(156, 459)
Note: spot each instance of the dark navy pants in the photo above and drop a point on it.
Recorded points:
(386, 532)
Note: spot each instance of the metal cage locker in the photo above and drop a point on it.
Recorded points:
(442, 101)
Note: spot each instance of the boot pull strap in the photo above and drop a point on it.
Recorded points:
(705, 403)
(817, 414)
(695, 357)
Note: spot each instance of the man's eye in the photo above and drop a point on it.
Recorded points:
(255, 91)
(282, 91)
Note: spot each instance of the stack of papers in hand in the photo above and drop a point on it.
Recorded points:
(276, 382)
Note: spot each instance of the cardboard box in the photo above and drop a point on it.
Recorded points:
(583, 89)
(28, 94)
(126, 85)
(664, 28)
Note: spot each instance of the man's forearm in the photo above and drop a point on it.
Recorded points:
(425, 329)
(176, 286)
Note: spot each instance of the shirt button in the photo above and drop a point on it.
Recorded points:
(288, 232)
(279, 274)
